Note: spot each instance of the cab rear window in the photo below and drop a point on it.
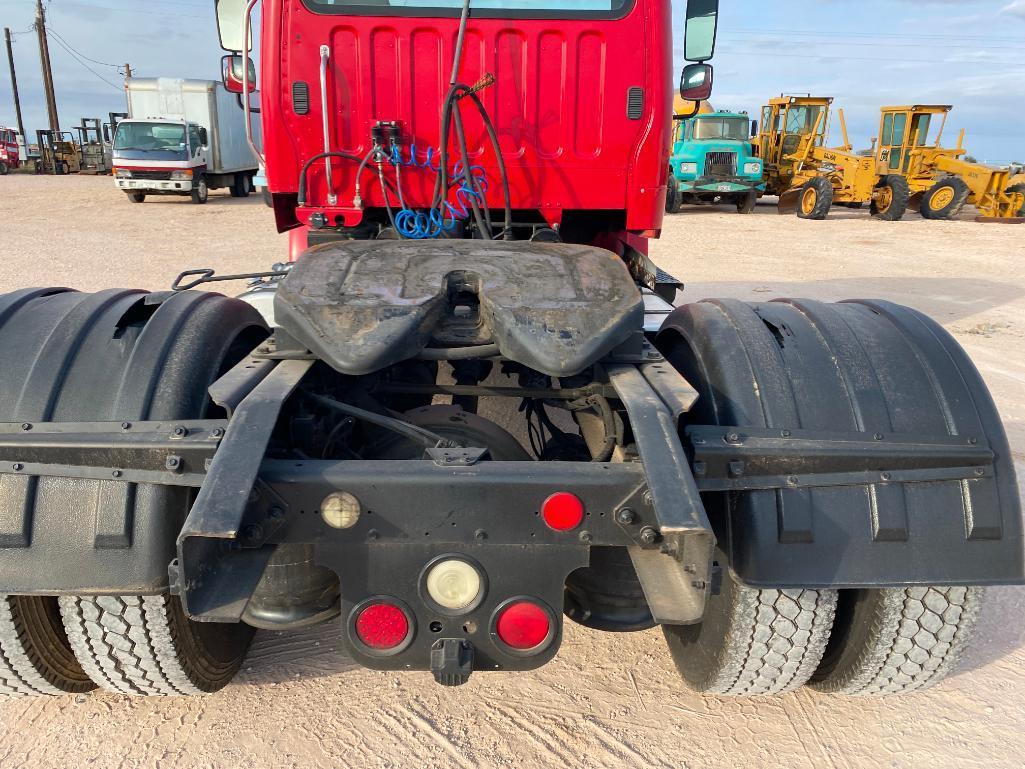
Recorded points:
(592, 9)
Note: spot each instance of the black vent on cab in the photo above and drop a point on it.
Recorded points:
(300, 98)
(635, 103)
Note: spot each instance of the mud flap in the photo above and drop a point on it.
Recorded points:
(899, 472)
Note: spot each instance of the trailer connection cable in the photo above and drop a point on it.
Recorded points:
(433, 222)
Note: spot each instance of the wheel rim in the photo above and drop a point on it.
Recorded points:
(808, 200)
(885, 199)
(942, 198)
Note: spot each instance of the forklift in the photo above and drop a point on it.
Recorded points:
(95, 151)
(941, 181)
(59, 154)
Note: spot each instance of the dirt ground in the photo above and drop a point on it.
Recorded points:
(606, 701)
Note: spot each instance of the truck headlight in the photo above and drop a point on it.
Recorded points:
(752, 168)
(181, 176)
(122, 173)
(688, 168)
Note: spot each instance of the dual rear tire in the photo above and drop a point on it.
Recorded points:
(131, 356)
(758, 366)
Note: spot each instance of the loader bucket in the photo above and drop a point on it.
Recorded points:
(788, 201)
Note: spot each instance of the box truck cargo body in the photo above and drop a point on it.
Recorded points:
(182, 137)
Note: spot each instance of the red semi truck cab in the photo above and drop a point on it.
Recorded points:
(580, 95)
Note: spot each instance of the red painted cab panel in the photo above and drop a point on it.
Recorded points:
(561, 104)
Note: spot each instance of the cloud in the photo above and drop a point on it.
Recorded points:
(1016, 8)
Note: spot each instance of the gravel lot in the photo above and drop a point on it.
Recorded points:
(606, 701)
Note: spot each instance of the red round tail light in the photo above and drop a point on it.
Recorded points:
(563, 511)
(382, 626)
(523, 625)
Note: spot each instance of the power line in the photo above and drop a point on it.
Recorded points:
(53, 33)
(57, 40)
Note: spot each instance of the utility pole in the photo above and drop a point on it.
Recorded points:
(44, 59)
(128, 76)
(14, 85)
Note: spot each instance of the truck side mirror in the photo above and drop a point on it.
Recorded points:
(204, 137)
(106, 133)
(696, 82)
(754, 128)
(232, 74)
(700, 32)
(230, 15)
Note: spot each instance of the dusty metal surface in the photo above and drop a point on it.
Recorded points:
(363, 305)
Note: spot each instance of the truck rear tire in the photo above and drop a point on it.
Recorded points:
(241, 186)
(945, 199)
(868, 367)
(145, 645)
(35, 657)
(746, 202)
(200, 192)
(816, 198)
(111, 356)
(753, 642)
(897, 640)
(3, 168)
(890, 201)
(137, 197)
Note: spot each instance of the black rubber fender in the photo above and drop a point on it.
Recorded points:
(869, 367)
(115, 355)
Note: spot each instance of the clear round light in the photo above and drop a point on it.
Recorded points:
(453, 584)
(340, 510)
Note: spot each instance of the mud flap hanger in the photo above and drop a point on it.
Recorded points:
(748, 459)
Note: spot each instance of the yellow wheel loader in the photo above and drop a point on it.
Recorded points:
(941, 181)
(810, 177)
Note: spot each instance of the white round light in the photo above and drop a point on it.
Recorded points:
(340, 510)
(453, 584)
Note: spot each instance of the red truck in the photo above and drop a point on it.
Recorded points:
(10, 150)
(795, 492)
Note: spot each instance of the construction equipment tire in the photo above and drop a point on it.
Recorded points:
(1020, 189)
(145, 645)
(746, 202)
(945, 199)
(35, 657)
(816, 198)
(200, 191)
(897, 640)
(890, 201)
(137, 197)
(673, 196)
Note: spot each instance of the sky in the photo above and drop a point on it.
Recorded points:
(864, 53)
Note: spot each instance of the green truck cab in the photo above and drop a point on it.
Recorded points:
(713, 160)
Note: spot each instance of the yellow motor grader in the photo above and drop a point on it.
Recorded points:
(940, 179)
(810, 177)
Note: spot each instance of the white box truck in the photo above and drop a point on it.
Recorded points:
(182, 137)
